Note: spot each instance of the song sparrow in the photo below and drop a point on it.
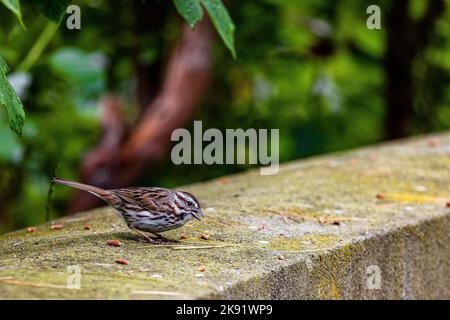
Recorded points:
(147, 209)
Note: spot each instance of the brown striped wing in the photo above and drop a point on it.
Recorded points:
(147, 198)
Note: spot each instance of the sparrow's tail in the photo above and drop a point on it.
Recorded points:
(101, 193)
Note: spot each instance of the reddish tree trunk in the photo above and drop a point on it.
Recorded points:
(118, 162)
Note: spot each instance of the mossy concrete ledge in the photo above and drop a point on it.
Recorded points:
(370, 223)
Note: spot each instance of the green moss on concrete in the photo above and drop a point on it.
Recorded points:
(252, 221)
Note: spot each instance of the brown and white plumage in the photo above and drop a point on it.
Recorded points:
(149, 209)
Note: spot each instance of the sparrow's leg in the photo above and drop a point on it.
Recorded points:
(147, 238)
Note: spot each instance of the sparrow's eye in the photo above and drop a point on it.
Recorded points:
(190, 203)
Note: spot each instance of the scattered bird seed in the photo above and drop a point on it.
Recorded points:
(380, 196)
(337, 223)
(31, 229)
(224, 180)
(88, 227)
(433, 142)
(183, 236)
(122, 261)
(114, 243)
(202, 268)
(280, 257)
(448, 204)
(204, 236)
(57, 226)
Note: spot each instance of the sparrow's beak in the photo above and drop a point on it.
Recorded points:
(198, 215)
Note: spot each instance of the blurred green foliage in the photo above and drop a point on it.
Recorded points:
(311, 68)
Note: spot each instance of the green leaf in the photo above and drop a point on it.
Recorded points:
(14, 6)
(190, 10)
(52, 9)
(10, 100)
(222, 21)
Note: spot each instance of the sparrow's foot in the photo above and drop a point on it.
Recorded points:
(164, 239)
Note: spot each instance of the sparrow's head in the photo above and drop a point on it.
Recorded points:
(189, 205)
